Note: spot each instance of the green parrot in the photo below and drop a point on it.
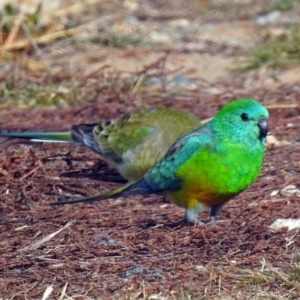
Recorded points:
(132, 144)
(208, 166)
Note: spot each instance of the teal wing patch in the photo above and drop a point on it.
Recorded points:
(163, 175)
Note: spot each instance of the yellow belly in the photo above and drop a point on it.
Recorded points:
(213, 178)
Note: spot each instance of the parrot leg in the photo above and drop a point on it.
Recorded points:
(213, 221)
(191, 214)
(215, 210)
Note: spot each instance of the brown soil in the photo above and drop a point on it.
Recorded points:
(136, 246)
(139, 248)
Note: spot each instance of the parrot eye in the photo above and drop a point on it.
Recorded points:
(244, 117)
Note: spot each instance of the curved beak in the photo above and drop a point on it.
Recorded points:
(263, 128)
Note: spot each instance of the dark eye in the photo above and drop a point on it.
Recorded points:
(244, 117)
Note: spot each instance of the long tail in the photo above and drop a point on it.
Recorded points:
(51, 137)
(136, 188)
(81, 134)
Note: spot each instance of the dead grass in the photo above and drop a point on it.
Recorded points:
(283, 5)
(31, 94)
(29, 79)
(268, 283)
(135, 249)
(279, 51)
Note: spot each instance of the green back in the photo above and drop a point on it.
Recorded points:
(120, 135)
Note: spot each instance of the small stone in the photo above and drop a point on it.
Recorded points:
(274, 193)
(269, 18)
(271, 140)
(290, 224)
(290, 191)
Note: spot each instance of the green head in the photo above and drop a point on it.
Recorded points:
(243, 120)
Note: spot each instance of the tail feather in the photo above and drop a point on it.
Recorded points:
(81, 134)
(51, 137)
(84, 134)
(136, 188)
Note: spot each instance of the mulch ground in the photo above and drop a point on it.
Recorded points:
(135, 246)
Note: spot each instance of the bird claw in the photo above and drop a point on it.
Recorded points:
(191, 215)
(199, 223)
(213, 221)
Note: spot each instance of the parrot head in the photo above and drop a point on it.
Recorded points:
(244, 120)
